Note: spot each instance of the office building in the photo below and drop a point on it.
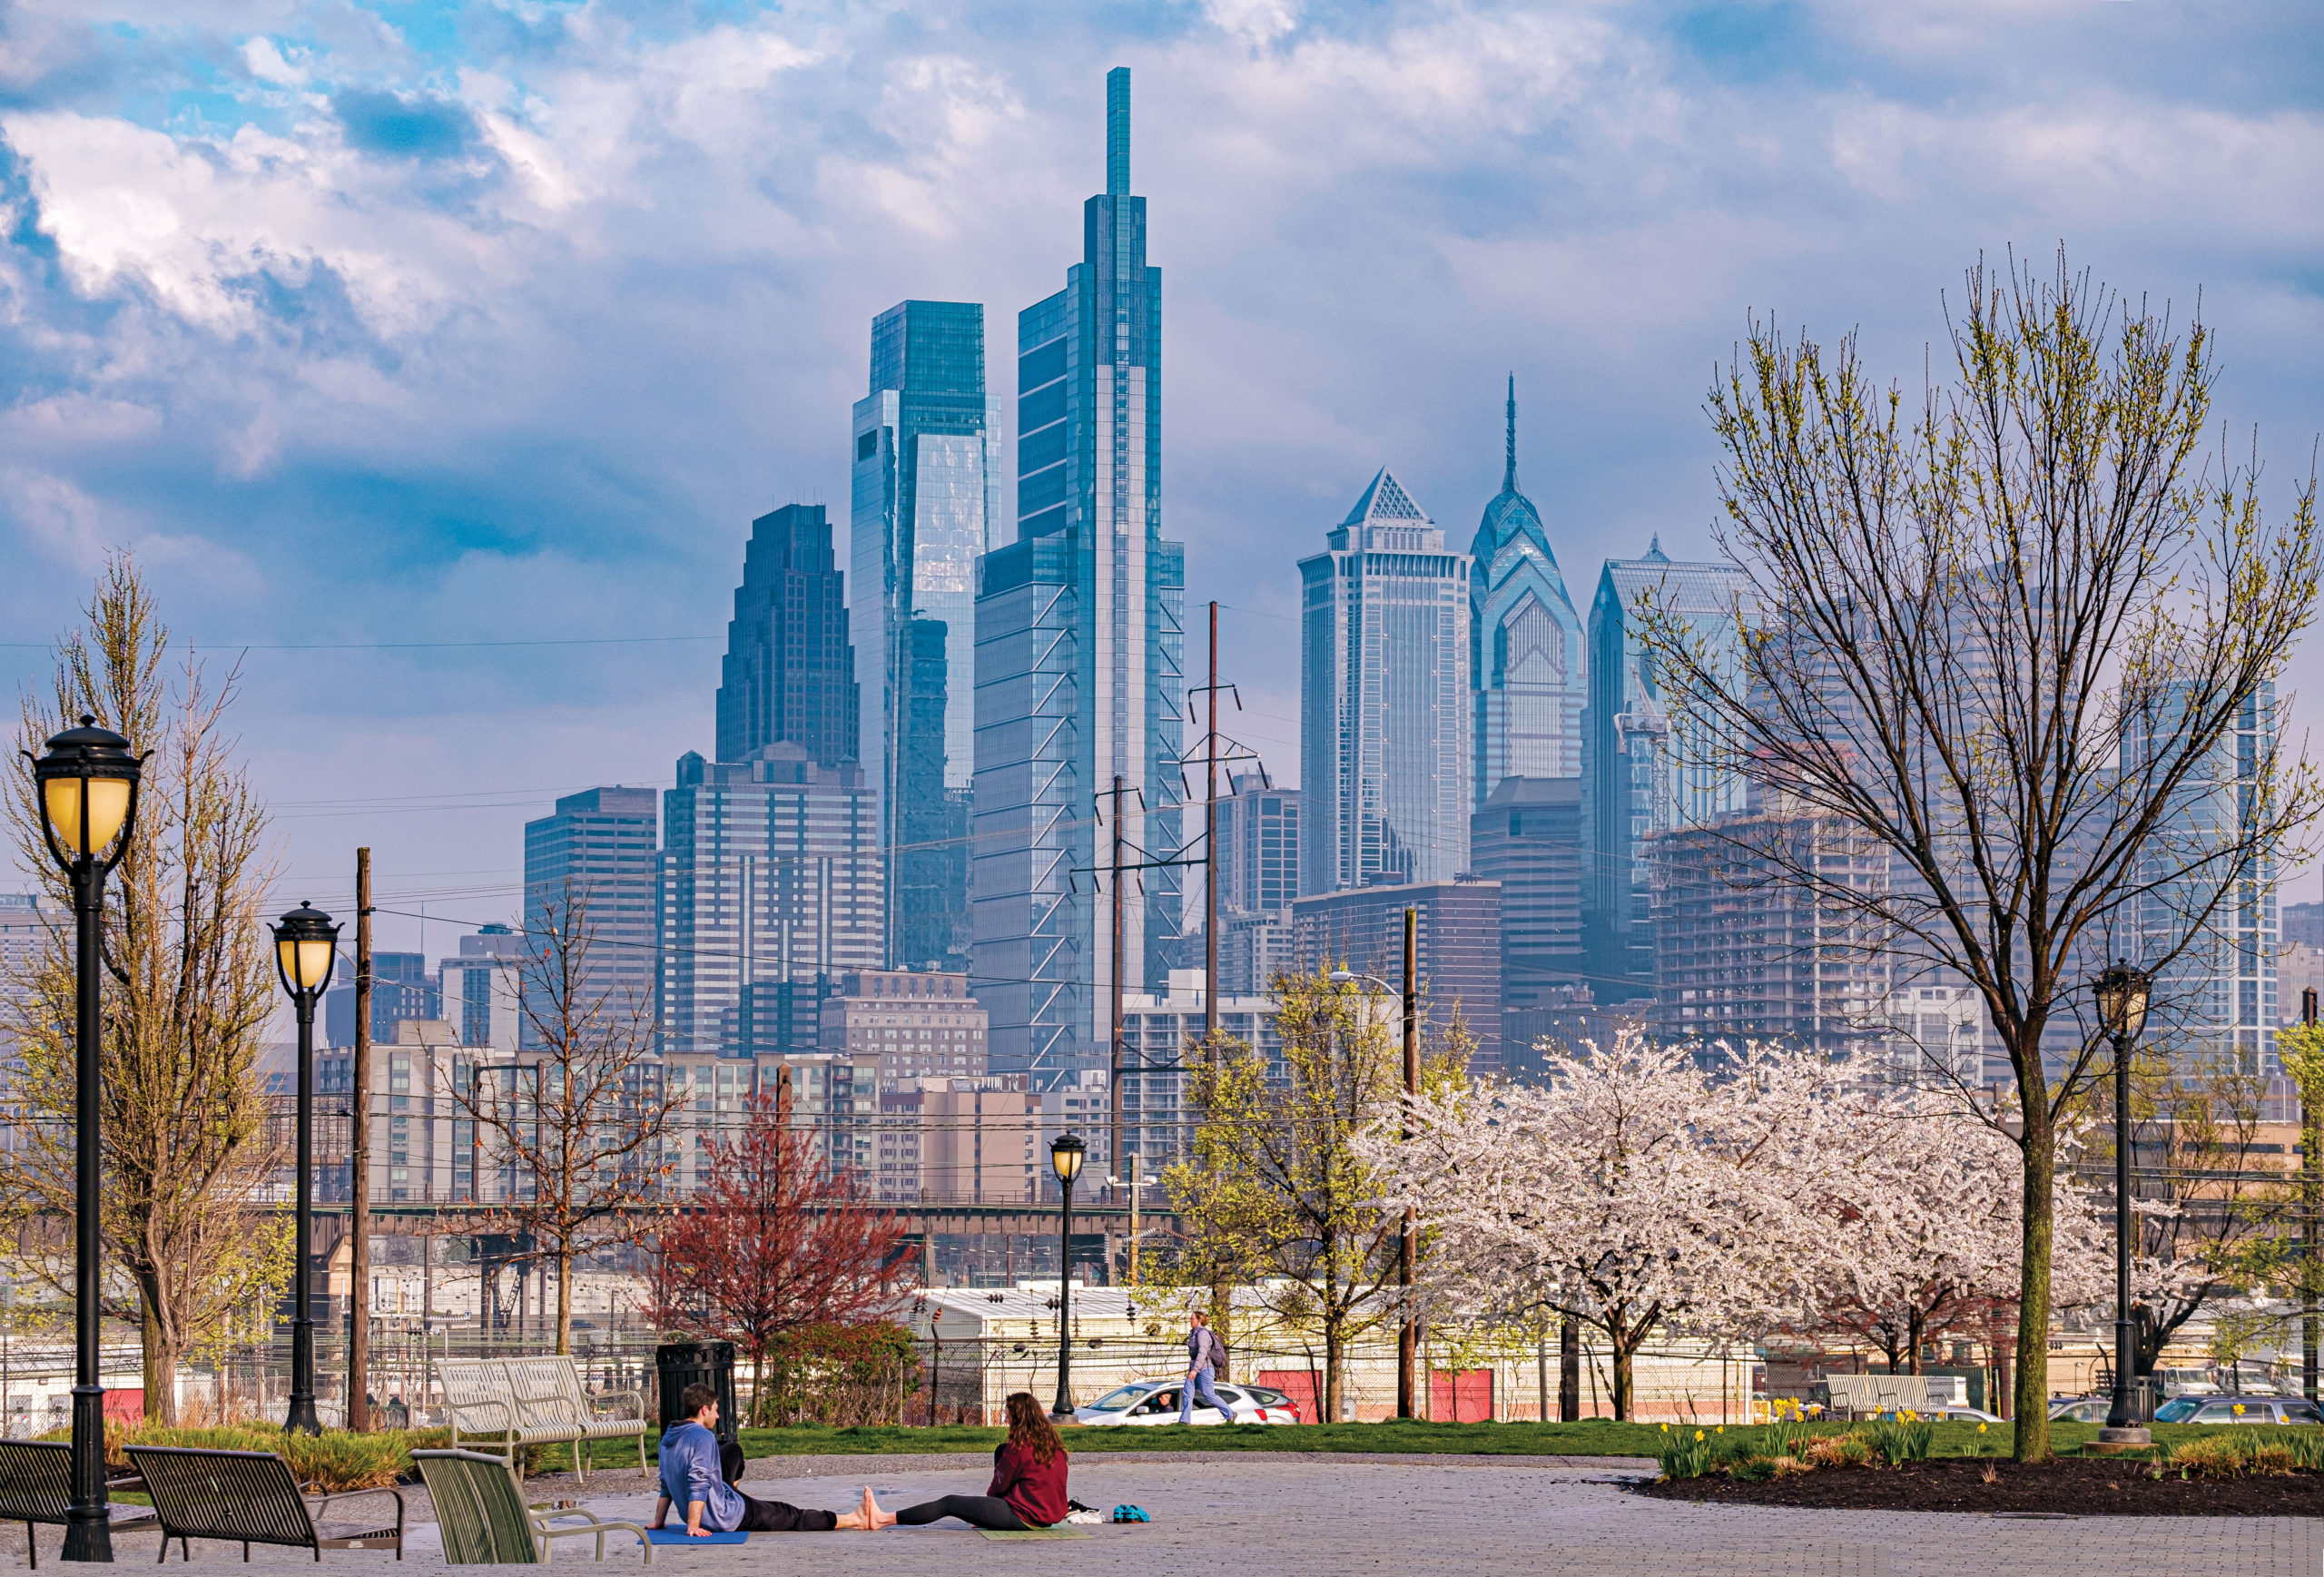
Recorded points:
(1383, 702)
(1528, 838)
(770, 893)
(27, 920)
(402, 991)
(1158, 1028)
(598, 851)
(1743, 952)
(924, 491)
(1645, 767)
(1457, 950)
(2215, 1002)
(1258, 847)
(1253, 948)
(481, 988)
(1525, 653)
(2304, 924)
(789, 674)
(1566, 1018)
(1079, 649)
(919, 1025)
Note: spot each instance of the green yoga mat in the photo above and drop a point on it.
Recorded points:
(1034, 1533)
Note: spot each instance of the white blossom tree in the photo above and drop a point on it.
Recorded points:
(1636, 1188)
(1926, 1218)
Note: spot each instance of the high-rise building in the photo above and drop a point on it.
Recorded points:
(1080, 648)
(770, 876)
(1528, 838)
(1456, 949)
(1384, 703)
(598, 850)
(402, 991)
(1525, 653)
(1644, 768)
(924, 490)
(482, 988)
(28, 922)
(1158, 1113)
(919, 1024)
(1743, 952)
(1258, 847)
(789, 672)
(2214, 1002)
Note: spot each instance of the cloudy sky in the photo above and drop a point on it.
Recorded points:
(399, 338)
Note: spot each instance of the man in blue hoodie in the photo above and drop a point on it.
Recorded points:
(696, 1476)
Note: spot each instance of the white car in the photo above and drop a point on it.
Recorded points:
(1157, 1401)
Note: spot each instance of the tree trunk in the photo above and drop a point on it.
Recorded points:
(1334, 1374)
(2031, 1392)
(1916, 1328)
(161, 1362)
(1622, 1381)
(565, 1299)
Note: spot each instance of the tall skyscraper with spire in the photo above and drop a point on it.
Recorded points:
(921, 506)
(1383, 700)
(1079, 650)
(1526, 653)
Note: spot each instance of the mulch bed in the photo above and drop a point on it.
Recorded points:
(2066, 1486)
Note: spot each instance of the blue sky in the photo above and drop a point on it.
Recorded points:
(418, 328)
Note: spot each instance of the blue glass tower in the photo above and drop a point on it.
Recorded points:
(1079, 646)
(1525, 644)
(1646, 771)
(920, 516)
(789, 676)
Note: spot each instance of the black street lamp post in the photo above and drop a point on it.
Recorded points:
(88, 795)
(1065, 1154)
(306, 946)
(2122, 994)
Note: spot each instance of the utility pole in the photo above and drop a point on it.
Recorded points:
(1114, 1085)
(359, 1162)
(2311, 1130)
(1408, 1329)
(1210, 847)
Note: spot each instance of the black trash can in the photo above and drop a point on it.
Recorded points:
(678, 1365)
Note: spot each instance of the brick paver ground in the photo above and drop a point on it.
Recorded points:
(1329, 1515)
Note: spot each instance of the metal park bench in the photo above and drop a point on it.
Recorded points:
(521, 1402)
(486, 1522)
(250, 1497)
(36, 1486)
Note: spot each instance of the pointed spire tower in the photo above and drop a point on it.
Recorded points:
(1526, 657)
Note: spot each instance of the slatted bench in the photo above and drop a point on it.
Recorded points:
(486, 1522)
(36, 1488)
(519, 1402)
(250, 1497)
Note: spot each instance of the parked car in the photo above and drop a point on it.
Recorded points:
(1143, 1401)
(2081, 1409)
(2186, 1383)
(2243, 1409)
(1940, 1413)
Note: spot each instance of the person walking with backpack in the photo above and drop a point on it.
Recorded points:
(1206, 1360)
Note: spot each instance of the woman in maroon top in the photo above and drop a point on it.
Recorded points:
(1028, 1488)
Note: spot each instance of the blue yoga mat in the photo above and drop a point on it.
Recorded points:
(678, 1536)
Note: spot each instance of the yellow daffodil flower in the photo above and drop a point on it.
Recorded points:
(1699, 1435)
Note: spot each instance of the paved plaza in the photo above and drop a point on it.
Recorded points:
(1291, 1516)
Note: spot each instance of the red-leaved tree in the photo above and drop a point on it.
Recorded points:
(773, 1241)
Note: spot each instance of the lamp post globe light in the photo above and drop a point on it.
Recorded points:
(1065, 1153)
(2122, 993)
(87, 777)
(306, 947)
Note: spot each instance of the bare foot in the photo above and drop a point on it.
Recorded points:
(874, 1518)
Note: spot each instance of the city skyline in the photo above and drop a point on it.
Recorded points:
(545, 377)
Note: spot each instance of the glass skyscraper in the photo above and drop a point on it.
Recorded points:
(1079, 645)
(1644, 773)
(921, 507)
(1384, 704)
(788, 676)
(1525, 644)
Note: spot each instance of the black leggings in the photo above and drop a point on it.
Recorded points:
(976, 1511)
